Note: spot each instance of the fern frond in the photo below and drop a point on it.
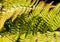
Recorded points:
(10, 7)
(29, 18)
(46, 37)
(51, 16)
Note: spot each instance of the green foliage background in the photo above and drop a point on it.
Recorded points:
(29, 21)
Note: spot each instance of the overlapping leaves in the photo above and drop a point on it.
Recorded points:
(28, 16)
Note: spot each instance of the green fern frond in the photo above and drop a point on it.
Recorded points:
(33, 22)
(28, 19)
(51, 17)
(46, 37)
